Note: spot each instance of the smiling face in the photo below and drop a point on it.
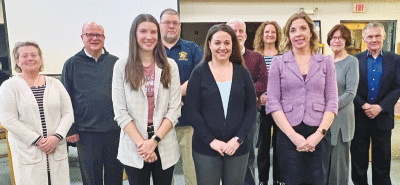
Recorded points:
(29, 59)
(93, 44)
(146, 36)
(221, 46)
(337, 42)
(374, 38)
(240, 32)
(269, 34)
(300, 34)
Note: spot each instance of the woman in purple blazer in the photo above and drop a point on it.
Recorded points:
(303, 99)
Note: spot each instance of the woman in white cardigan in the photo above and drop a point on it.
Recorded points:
(146, 97)
(37, 112)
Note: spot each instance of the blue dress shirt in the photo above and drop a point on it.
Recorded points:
(374, 69)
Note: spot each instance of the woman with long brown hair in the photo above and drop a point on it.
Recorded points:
(146, 97)
(222, 105)
(267, 42)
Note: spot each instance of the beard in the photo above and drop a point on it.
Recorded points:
(170, 39)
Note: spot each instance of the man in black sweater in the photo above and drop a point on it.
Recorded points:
(87, 76)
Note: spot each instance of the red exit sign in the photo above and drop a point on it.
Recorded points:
(358, 7)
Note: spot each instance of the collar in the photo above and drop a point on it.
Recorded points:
(89, 55)
(243, 50)
(369, 54)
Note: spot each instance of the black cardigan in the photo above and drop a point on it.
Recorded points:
(206, 112)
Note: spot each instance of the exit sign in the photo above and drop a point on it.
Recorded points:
(358, 7)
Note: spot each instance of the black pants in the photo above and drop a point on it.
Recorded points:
(303, 167)
(381, 154)
(263, 157)
(138, 176)
(98, 151)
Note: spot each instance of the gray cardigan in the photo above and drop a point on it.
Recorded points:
(347, 79)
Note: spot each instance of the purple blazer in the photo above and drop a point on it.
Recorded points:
(299, 99)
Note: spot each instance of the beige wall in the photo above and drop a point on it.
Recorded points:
(329, 12)
(1, 12)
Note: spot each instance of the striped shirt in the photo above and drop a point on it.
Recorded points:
(268, 60)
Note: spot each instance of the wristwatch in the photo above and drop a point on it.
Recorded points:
(323, 131)
(155, 137)
(240, 141)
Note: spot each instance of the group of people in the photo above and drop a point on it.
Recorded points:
(168, 100)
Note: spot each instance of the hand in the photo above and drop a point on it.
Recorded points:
(263, 99)
(218, 146)
(313, 140)
(73, 138)
(48, 145)
(299, 141)
(151, 158)
(366, 106)
(182, 103)
(231, 146)
(372, 111)
(147, 148)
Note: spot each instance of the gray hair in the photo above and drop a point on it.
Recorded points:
(374, 25)
(86, 24)
(169, 11)
(236, 20)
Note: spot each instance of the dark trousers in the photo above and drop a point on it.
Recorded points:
(98, 151)
(210, 170)
(263, 157)
(381, 154)
(303, 167)
(253, 137)
(138, 176)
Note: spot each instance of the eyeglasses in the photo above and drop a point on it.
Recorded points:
(174, 23)
(92, 35)
(337, 39)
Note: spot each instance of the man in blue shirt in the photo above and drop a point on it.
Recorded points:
(377, 94)
(187, 55)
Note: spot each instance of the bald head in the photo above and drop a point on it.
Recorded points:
(93, 38)
(91, 25)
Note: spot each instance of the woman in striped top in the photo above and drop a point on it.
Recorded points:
(266, 42)
(37, 112)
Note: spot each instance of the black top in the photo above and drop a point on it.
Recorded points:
(89, 85)
(205, 109)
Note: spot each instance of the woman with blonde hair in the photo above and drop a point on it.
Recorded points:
(37, 112)
(266, 42)
(303, 101)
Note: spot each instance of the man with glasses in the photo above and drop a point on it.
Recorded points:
(187, 55)
(377, 93)
(87, 77)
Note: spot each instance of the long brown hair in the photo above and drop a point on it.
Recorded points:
(259, 38)
(134, 68)
(287, 44)
(236, 55)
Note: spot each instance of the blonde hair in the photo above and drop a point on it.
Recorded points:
(259, 41)
(287, 44)
(16, 53)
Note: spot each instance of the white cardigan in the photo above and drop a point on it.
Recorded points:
(130, 105)
(19, 114)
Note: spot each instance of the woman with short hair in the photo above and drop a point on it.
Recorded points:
(37, 112)
(342, 129)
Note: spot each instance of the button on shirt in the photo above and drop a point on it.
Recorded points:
(374, 69)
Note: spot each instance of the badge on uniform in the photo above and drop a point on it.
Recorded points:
(183, 55)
